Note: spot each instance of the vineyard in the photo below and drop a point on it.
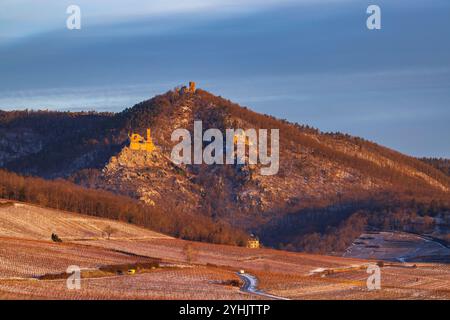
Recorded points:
(20, 220)
(30, 258)
(186, 283)
(32, 266)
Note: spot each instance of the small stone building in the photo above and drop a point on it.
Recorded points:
(253, 242)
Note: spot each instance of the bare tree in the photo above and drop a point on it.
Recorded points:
(189, 252)
(109, 231)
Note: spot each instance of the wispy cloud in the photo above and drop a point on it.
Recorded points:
(100, 98)
(20, 18)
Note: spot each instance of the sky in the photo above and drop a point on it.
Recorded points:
(308, 61)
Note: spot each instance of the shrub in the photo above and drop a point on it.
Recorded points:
(55, 238)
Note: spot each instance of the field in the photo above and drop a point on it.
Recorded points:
(33, 267)
(170, 283)
(20, 220)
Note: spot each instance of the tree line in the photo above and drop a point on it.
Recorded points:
(63, 195)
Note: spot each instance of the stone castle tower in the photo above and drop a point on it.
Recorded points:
(139, 143)
(191, 86)
(184, 89)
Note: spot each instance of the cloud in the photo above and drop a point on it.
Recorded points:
(19, 18)
(100, 98)
(23, 18)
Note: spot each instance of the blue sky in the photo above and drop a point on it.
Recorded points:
(310, 61)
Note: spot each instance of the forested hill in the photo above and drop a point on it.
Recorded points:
(325, 182)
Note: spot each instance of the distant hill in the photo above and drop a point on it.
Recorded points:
(439, 163)
(330, 186)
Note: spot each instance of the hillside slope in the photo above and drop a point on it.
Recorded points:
(328, 176)
(21, 220)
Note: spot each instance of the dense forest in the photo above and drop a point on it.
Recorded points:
(332, 228)
(53, 144)
(64, 195)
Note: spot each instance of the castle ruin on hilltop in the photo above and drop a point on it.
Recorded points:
(138, 142)
(190, 89)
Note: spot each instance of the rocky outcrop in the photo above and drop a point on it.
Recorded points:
(150, 177)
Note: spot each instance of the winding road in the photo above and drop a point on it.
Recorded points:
(251, 284)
